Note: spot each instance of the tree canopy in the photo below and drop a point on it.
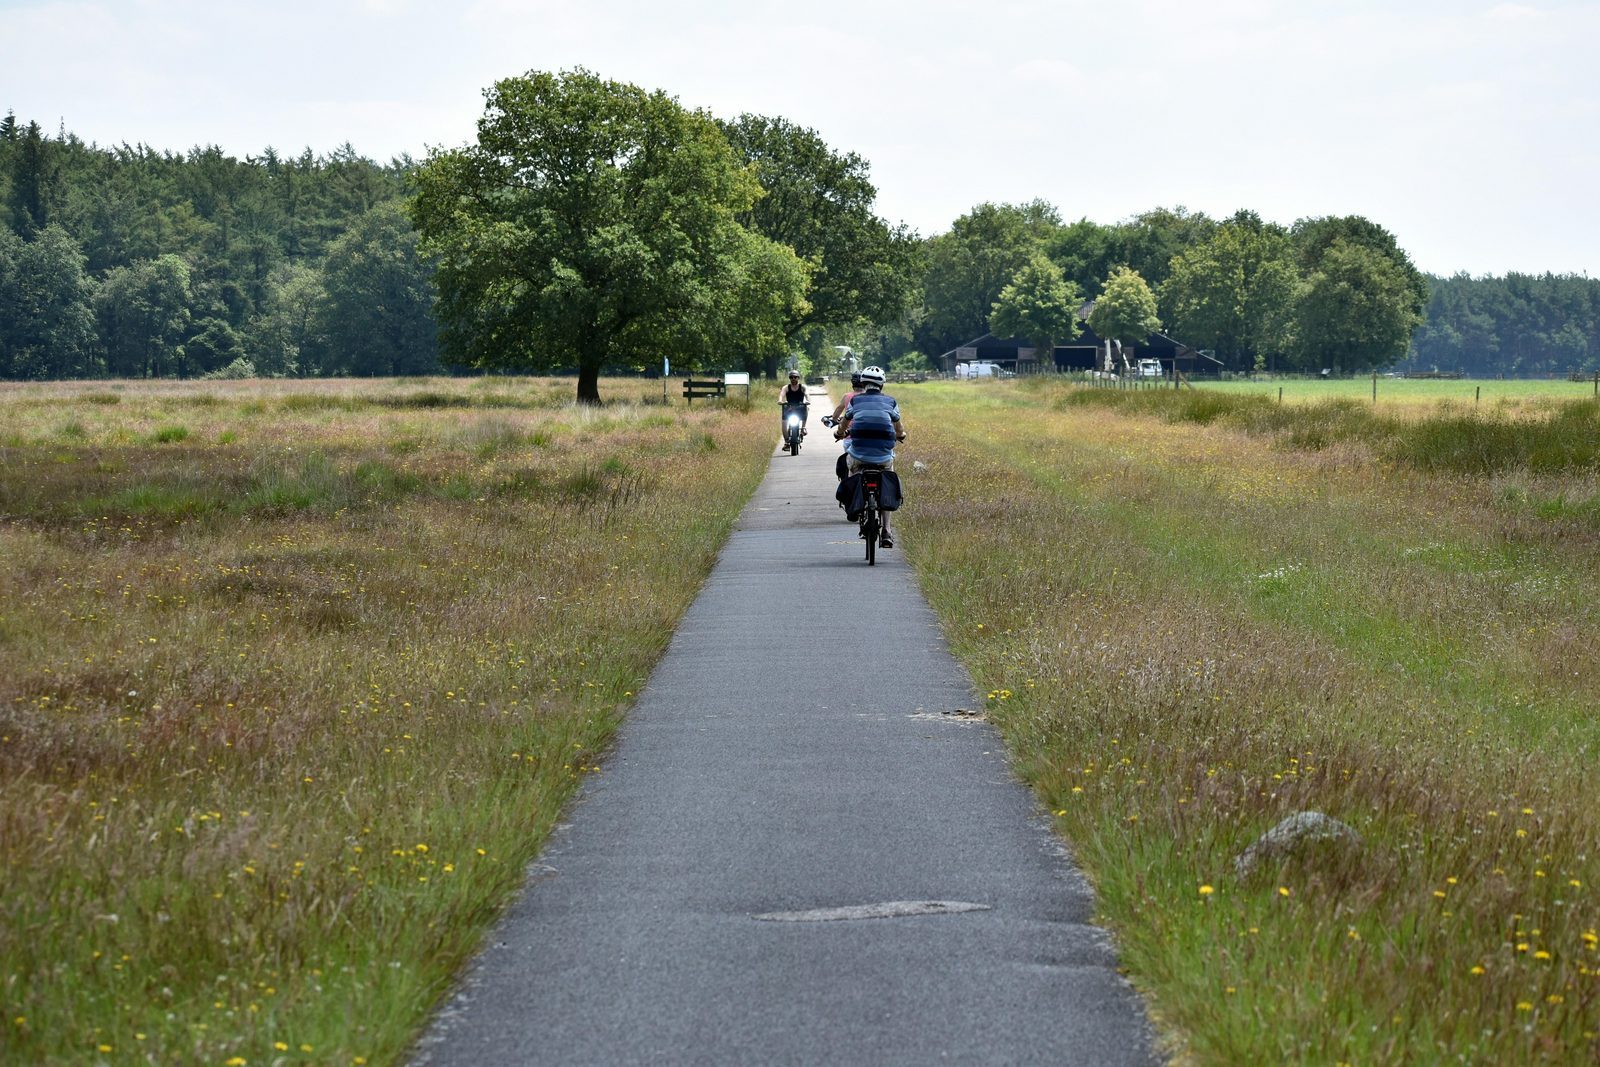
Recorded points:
(1125, 310)
(819, 202)
(592, 223)
(1039, 305)
(1356, 311)
(969, 266)
(1234, 292)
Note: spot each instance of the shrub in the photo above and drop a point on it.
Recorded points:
(238, 370)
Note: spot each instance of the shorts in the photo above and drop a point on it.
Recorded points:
(852, 464)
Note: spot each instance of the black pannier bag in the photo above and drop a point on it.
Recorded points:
(853, 495)
(889, 492)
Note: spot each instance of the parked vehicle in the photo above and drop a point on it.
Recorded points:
(1149, 368)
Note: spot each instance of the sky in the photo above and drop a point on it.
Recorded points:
(1471, 130)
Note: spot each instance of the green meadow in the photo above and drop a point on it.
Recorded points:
(1197, 613)
(296, 676)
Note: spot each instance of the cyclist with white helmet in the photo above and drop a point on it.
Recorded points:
(871, 422)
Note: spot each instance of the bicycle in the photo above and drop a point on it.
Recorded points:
(871, 522)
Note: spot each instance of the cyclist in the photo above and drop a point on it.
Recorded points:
(872, 424)
(838, 413)
(855, 387)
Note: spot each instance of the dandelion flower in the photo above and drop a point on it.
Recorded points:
(1206, 890)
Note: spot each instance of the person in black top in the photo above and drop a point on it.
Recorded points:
(795, 393)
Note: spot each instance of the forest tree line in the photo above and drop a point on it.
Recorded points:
(1334, 292)
(129, 262)
(133, 263)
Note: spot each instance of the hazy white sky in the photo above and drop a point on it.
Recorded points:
(1470, 128)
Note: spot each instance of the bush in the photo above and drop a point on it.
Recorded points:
(239, 369)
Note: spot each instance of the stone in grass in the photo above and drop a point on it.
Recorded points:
(1298, 831)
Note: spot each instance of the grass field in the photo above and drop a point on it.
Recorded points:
(1411, 391)
(294, 678)
(1192, 621)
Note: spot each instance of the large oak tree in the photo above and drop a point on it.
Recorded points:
(593, 223)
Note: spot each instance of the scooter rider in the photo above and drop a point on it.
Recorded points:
(872, 424)
(792, 394)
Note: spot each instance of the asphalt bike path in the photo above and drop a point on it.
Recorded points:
(805, 847)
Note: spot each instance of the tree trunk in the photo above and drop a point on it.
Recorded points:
(589, 382)
(769, 366)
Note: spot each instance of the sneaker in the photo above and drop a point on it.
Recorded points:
(885, 541)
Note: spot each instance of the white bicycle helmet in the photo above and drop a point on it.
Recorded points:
(872, 376)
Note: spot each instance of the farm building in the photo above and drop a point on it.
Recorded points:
(1087, 351)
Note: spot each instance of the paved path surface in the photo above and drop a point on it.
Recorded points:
(768, 770)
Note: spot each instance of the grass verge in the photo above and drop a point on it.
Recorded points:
(1187, 635)
(288, 701)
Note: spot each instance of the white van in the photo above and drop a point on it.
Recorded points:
(1149, 368)
(977, 369)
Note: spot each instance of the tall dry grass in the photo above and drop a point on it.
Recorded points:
(289, 698)
(1189, 632)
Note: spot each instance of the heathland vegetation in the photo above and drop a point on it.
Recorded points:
(295, 677)
(1196, 613)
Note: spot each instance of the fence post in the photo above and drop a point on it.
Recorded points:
(1280, 394)
(1374, 387)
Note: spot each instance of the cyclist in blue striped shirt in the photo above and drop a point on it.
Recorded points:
(872, 424)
